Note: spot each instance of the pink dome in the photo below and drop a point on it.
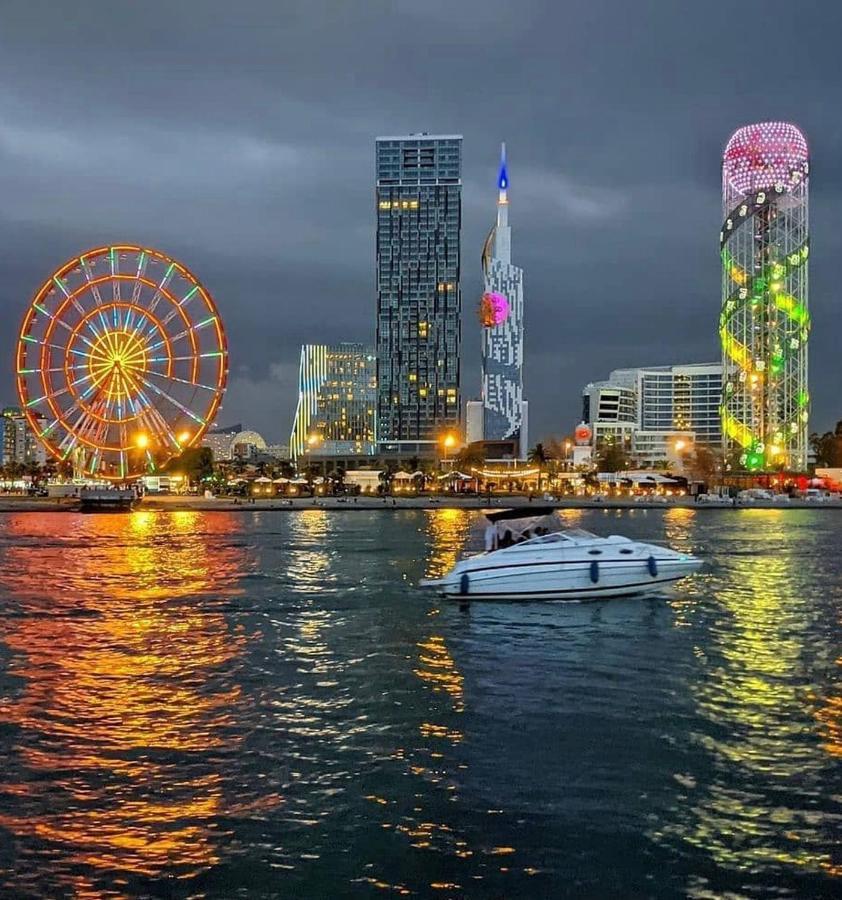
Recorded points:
(764, 155)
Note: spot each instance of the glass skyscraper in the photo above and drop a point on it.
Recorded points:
(419, 301)
(337, 400)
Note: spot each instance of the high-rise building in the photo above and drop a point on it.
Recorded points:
(18, 442)
(501, 317)
(337, 401)
(764, 321)
(419, 217)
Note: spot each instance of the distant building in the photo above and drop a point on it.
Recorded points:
(659, 399)
(684, 397)
(278, 451)
(18, 442)
(610, 409)
(235, 442)
(474, 429)
(337, 401)
(247, 445)
(219, 440)
(501, 317)
(419, 218)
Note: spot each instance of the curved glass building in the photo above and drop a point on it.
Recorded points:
(765, 320)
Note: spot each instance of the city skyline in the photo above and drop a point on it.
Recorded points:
(240, 175)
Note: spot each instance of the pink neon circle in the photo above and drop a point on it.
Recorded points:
(493, 309)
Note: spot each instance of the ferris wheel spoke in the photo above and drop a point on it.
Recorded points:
(115, 271)
(172, 400)
(206, 387)
(199, 325)
(181, 303)
(158, 425)
(186, 358)
(162, 286)
(141, 272)
(48, 396)
(65, 325)
(68, 294)
(89, 277)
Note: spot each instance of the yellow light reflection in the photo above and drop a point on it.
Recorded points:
(117, 676)
(753, 698)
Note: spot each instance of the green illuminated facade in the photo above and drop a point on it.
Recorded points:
(765, 320)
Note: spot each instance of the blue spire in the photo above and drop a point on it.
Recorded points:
(503, 177)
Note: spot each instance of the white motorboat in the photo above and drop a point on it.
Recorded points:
(569, 564)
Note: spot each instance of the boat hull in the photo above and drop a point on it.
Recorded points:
(566, 582)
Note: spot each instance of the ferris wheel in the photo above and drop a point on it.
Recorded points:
(122, 361)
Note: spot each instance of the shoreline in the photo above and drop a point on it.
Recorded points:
(173, 503)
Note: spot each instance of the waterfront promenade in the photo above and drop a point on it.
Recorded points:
(174, 502)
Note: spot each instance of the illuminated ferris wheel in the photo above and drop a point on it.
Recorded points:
(122, 361)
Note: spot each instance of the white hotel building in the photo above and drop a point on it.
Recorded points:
(653, 409)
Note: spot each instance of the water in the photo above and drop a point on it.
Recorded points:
(263, 705)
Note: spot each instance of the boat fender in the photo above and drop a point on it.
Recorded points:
(464, 583)
(594, 571)
(652, 565)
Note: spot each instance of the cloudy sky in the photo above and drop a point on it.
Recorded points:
(239, 138)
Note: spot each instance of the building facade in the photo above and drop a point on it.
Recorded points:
(337, 401)
(610, 409)
(656, 413)
(764, 320)
(501, 318)
(419, 301)
(677, 398)
(219, 441)
(18, 442)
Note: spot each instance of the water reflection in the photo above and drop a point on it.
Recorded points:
(754, 695)
(447, 531)
(116, 683)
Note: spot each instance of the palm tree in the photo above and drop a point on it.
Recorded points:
(538, 456)
(385, 477)
(470, 457)
(337, 479)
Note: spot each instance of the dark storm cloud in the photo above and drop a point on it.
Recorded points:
(240, 138)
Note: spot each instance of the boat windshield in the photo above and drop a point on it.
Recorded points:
(575, 535)
(579, 534)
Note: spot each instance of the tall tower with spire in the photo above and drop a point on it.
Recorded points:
(501, 317)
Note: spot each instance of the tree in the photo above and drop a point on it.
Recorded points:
(704, 465)
(471, 456)
(539, 456)
(34, 471)
(195, 463)
(386, 476)
(612, 457)
(286, 468)
(337, 479)
(828, 447)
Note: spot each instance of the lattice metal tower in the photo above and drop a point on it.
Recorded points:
(765, 320)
